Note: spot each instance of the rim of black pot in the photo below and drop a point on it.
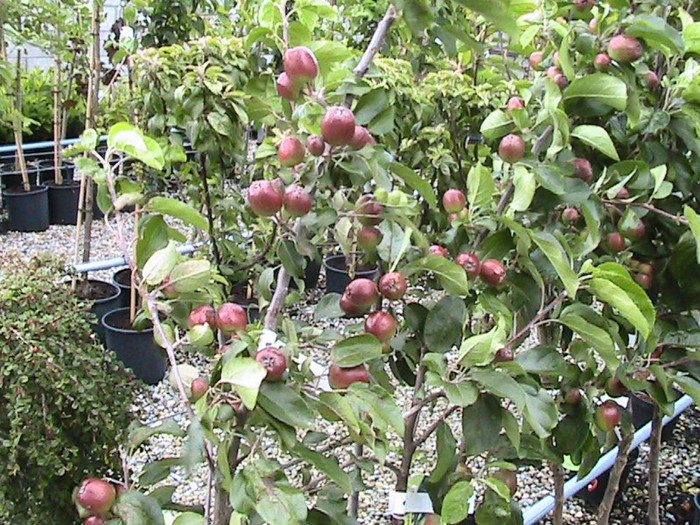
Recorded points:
(65, 185)
(18, 191)
(328, 258)
(119, 272)
(103, 322)
(114, 287)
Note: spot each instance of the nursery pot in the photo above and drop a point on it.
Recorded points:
(135, 348)
(311, 275)
(695, 520)
(105, 298)
(642, 413)
(595, 491)
(337, 276)
(28, 211)
(122, 280)
(63, 202)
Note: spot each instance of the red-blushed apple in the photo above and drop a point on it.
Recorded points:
(644, 280)
(297, 201)
(607, 415)
(265, 197)
(368, 210)
(436, 249)
(361, 138)
(200, 335)
(362, 292)
(470, 262)
(573, 396)
(202, 314)
(168, 289)
(368, 238)
(536, 58)
(514, 103)
(583, 5)
(340, 378)
(231, 317)
(582, 169)
(561, 81)
(593, 24)
(509, 478)
(338, 126)
(646, 268)
(381, 324)
(555, 59)
(393, 286)
(553, 71)
(274, 361)
(315, 145)
(199, 387)
(511, 148)
(94, 520)
(623, 193)
(300, 64)
(602, 62)
(96, 495)
(286, 88)
(349, 307)
(615, 242)
(454, 201)
(570, 215)
(625, 49)
(504, 355)
(651, 80)
(290, 151)
(615, 388)
(492, 272)
(637, 232)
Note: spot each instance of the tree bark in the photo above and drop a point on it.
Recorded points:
(654, 452)
(614, 481)
(559, 499)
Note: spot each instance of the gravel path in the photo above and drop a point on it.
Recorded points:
(680, 473)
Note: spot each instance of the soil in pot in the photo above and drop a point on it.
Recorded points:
(103, 295)
(27, 211)
(337, 276)
(122, 280)
(63, 202)
(135, 348)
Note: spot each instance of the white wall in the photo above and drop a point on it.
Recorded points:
(33, 57)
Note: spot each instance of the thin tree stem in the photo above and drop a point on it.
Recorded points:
(606, 505)
(654, 452)
(558, 518)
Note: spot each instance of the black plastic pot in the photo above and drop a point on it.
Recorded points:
(63, 202)
(643, 411)
(122, 280)
(103, 305)
(595, 491)
(337, 276)
(311, 275)
(27, 211)
(695, 520)
(135, 348)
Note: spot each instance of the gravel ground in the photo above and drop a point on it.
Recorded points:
(680, 474)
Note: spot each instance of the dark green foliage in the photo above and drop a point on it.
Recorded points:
(65, 401)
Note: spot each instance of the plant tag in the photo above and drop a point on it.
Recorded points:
(401, 503)
(268, 338)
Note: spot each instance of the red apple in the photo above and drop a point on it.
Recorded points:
(511, 148)
(231, 317)
(344, 377)
(300, 64)
(368, 210)
(644, 280)
(368, 238)
(265, 197)
(583, 5)
(96, 495)
(615, 388)
(615, 242)
(199, 387)
(623, 193)
(202, 314)
(593, 24)
(290, 151)
(535, 59)
(553, 71)
(637, 232)
(492, 272)
(509, 478)
(315, 145)
(651, 80)
(607, 415)
(555, 59)
(381, 324)
(297, 201)
(570, 215)
(94, 520)
(274, 361)
(625, 49)
(392, 285)
(582, 169)
(349, 307)
(361, 138)
(470, 262)
(362, 292)
(573, 396)
(646, 268)
(454, 201)
(561, 81)
(286, 88)
(514, 103)
(601, 62)
(338, 126)
(504, 355)
(439, 250)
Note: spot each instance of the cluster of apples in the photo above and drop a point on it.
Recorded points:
(94, 499)
(607, 414)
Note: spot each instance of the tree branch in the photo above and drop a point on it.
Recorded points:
(649, 207)
(654, 452)
(614, 481)
(540, 315)
(559, 499)
(379, 35)
(434, 426)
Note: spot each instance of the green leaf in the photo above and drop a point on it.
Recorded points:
(179, 210)
(525, 185)
(461, 394)
(498, 12)
(657, 33)
(444, 324)
(130, 140)
(455, 507)
(453, 278)
(496, 125)
(540, 411)
(597, 138)
(328, 307)
(446, 451)
(189, 276)
(356, 350)
(285, 404)
(160, 264)
(135, 508)
(481, 425)
(600, 87)
(480, 349)
(542, 360)
(480, 186)
(689, 386)
(500, 384)
(694, 223)
(588, 324)
(554, 252)
(370, 105)
(140, 434)
(613, 284)
(415, 182)
(246, 375)
(189, 518)
(291, 260)
(326, 465)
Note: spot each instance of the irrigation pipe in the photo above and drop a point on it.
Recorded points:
(106, 264)
(543, 507)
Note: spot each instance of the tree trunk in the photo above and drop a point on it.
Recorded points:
(559, 499)
(614, 481)
(654, 451)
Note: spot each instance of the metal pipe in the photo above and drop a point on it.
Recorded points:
(539, 510)
(106, 264)
(11, 148)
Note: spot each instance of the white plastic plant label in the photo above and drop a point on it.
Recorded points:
(401, 503)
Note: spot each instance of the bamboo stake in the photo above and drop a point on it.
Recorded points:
(58, 178)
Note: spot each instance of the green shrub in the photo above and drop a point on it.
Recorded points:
(65, 401)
